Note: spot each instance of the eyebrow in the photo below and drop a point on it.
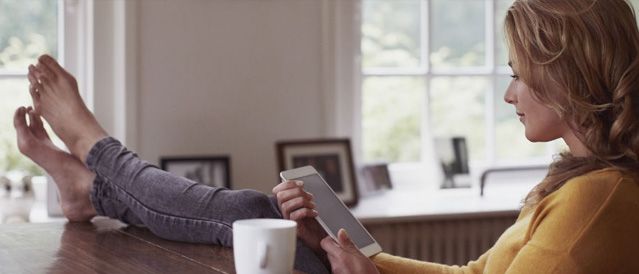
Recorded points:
(510, 64)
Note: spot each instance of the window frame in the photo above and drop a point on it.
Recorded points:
(426, 170)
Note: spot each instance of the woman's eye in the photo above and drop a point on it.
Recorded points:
(514, 76)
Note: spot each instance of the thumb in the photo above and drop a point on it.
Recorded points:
(345, 241)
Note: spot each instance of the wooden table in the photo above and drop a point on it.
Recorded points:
(103, 246)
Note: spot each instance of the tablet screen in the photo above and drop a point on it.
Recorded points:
(333, 213)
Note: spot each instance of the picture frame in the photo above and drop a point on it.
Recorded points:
(375, 177)
(214, 171)
(332, 158)
(452, 154)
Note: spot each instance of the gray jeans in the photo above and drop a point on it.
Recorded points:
(175, 208)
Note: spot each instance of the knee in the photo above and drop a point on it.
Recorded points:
(256, 204)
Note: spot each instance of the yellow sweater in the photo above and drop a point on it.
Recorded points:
(590, 225)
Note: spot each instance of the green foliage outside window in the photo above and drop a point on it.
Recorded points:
(27, 30)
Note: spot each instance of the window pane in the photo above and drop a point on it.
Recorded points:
(500, 13)
(457, 110)
(16, 90)
(635, 6)
(27, 30)
(392, 118)
(510, 137)
(458, 33)
(391, 34)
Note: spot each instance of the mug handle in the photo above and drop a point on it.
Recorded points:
(262, 251)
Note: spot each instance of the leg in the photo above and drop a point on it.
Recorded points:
(72, 178)
(181, 217)
(176, 208)
(167, 203)
(129, 189)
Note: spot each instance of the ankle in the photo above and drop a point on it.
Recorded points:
(81, 146)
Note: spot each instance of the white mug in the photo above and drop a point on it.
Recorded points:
(264, 246)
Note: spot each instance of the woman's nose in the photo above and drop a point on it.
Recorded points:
(510, 96)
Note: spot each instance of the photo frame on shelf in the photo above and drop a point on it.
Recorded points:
(212, 171)
(332, 158)
(376, 177)
(452, 153)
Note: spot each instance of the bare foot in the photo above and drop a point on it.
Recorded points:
(55, 96)
(70, 175)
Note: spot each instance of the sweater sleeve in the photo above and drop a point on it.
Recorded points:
(388, 264)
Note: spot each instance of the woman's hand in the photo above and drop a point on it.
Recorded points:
(296, 205)
(345, 257)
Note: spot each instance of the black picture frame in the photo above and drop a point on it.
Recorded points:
(332, 158)
(453, 157)
(214, 171)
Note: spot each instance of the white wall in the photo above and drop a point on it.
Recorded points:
(219, 77)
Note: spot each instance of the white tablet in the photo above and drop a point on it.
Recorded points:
(333, 214)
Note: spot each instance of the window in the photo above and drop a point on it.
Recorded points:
(27, 30)
(438, 69)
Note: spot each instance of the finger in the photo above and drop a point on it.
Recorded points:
(292, 193)
(330, 246)
(303, 213)
(345, 241)
(289, 195)
(291, 200)
(287, 185)
(297, 203)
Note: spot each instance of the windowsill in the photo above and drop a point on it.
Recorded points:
(503, 195)
(407, 205)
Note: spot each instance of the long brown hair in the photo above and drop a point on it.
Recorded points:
(588, 51)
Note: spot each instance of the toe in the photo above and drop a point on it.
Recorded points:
(35, 124)
(19, 121)
(51, 64)
(22, 130)
(45, 71)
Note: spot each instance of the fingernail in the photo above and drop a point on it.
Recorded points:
(312, 205)
(344, 231)
(299, 183)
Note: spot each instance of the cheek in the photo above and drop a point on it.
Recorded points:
(544, 125)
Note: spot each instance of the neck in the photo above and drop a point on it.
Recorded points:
(577, 147)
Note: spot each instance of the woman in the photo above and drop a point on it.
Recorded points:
(576, 77)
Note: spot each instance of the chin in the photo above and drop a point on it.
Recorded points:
(537, 138)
